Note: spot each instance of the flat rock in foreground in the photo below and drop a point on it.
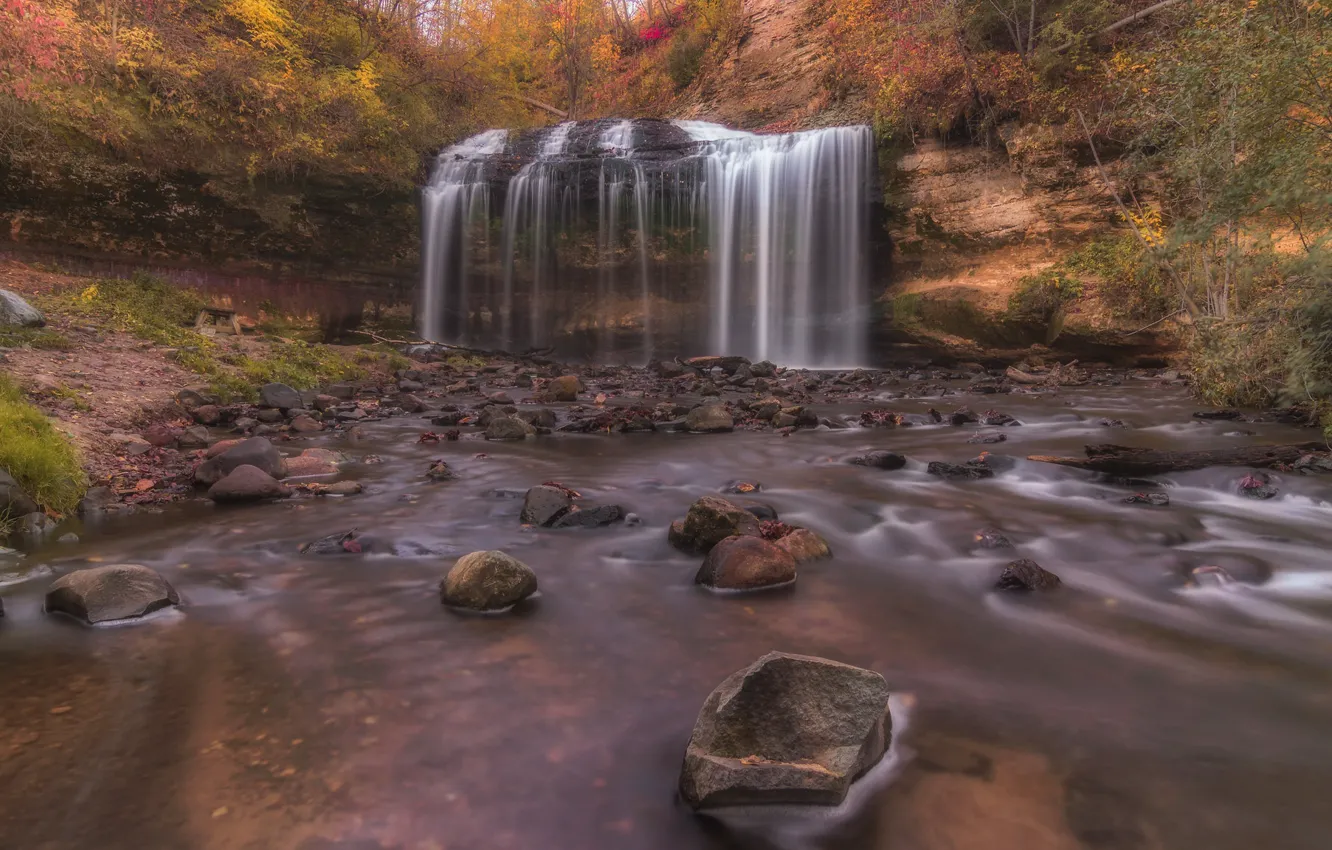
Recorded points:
(786, 729)
(115, 592)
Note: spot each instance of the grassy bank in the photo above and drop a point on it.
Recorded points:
(161, 313)
(43, 462)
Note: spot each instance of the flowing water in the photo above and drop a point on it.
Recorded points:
(320, 703)
(745, 244)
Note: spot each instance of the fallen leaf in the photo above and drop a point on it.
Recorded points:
(61, 709)
(220, 811)
(145, 484)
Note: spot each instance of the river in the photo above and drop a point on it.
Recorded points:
(320, 703)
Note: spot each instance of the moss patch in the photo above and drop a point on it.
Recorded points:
(43, 462)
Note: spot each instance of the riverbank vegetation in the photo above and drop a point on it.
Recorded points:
(41, 459)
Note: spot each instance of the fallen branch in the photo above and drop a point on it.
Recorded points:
(1157, 322)
(1122, 460)
(1127, 21)
(530, 101)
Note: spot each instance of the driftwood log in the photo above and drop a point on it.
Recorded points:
(1122, 460)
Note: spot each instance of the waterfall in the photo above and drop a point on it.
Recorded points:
(700, 238)
(797, 203)
(456, 197)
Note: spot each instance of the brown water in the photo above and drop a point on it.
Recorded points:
(331, 703)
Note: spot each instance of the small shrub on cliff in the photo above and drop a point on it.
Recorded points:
(1041, 295)
(145, 306)
(39, 457)
(1132, 284)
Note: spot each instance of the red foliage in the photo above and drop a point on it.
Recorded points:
(30, 41)
(652, 33)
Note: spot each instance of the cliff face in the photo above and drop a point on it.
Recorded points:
(340, 227)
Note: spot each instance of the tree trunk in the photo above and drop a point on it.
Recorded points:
(1121, 460)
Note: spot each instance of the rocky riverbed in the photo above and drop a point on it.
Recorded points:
(1070, 665)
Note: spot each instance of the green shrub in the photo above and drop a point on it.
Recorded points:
(301, 365)
(685, 59)
(1132, 284)
(145, 306)
(1041, 295)
(43, 462)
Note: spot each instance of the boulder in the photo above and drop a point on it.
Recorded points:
(487, 581)
(191, 398)
(766, 408)
(805, 545)
(507, 428)
(115, 592)
(972, 470)
(247, 484)
(992, 538)
(256, 452)
(746, 563)
(17, 313)
(711, 520)
(889, 461)
(13, 501)
(786, 729)
(563, 388)
(545, 505)
(709, 419)
(280, 396)
(1027, 575)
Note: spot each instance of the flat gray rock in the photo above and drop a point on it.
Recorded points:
(17, 313)
(115, 592)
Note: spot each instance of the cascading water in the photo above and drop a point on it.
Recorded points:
(700, 236)
(797, 205)
(457, 197)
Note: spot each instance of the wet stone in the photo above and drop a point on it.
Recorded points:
(343, 543)
(1159, 500)
(279, 396)
(596, 517)
(970, 471)
(786, 729)
(545, 505)
(746, 563)
(1027, 575)
(888, 461)
(115, 592)
(487, 581)
(992, 538)
(709, 521)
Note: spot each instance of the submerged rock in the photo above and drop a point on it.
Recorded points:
(889, 461)
(487, 581)
(1159, 500)
(711, 520)
(971, 470)
(1027, 575)
(247, 484)
(115, 592)
(786, 729)
(746, 563)
(344, 543)
(992, 538)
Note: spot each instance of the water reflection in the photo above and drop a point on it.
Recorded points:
(331, 703)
